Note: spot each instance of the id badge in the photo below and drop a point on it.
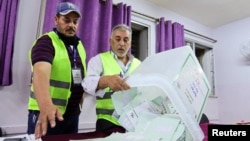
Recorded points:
(77, 76)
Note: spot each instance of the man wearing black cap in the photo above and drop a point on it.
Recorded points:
(58, 61)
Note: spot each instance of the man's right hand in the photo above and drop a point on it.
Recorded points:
(47, 116)
(114, 82)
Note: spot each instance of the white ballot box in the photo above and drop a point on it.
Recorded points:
(169, 91)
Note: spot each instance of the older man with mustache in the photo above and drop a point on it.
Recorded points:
(58, 64)
(105, 75)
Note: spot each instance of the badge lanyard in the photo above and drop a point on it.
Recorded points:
(123, 72)
(74, 57)
(76, 72)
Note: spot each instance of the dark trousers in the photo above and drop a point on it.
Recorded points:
(108, 127)
(67, 126)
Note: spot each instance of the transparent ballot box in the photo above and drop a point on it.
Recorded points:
(166, 101)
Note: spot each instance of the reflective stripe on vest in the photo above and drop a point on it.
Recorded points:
(56, 101)
(60, 78)
(59, 84)
(104, 106)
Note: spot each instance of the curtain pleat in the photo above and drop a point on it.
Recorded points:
(8, 14)
(169, 35)
(98, 18)
(178, 35)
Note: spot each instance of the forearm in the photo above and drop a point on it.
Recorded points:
(41, 91)
(41, 83)
(114, 82)
(103, 83)
(90, 86)
(91, 81)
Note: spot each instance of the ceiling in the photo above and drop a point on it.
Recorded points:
(211, 13)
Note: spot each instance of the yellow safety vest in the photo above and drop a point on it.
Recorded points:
(60, 77)
(105, 107)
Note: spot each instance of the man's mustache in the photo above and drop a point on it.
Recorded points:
(121, 48)
(70, 29)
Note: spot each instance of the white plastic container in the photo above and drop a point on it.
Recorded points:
(178, 75)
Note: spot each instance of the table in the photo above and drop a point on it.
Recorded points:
(96, 134)
(88, 135)
(67, 137)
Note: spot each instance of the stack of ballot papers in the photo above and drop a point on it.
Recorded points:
(166, 100)
(151, 115)
(161, 128)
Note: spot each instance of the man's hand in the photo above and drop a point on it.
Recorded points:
(47, 116)
(114, 82)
